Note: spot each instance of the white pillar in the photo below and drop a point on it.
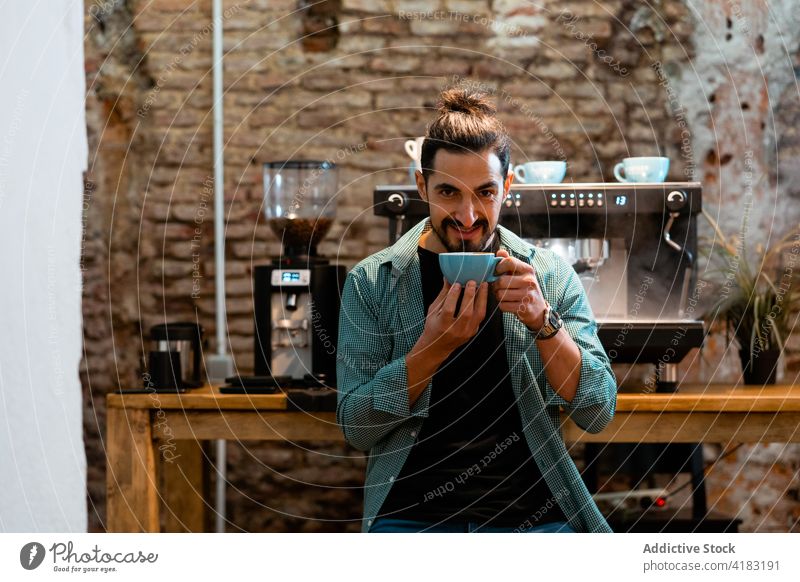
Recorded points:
(43, 152)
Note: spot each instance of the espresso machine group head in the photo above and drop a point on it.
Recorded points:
(297, 295)
(633, 246)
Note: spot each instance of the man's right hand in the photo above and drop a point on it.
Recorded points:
(445, 330)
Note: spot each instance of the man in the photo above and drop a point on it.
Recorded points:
(459, 408)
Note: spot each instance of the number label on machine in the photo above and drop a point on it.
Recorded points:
(291, 277)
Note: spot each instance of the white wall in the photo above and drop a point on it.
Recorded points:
(43, 151)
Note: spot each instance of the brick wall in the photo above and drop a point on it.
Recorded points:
(349, 81)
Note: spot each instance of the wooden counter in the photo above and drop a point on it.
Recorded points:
(155, 455)
(713, 413)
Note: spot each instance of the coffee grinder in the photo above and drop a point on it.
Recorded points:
(297, 295)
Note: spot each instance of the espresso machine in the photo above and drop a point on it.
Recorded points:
(633, 246)
(297, 294)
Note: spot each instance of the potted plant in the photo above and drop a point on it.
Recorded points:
(758, 298)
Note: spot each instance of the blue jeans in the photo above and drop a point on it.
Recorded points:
(391, 525)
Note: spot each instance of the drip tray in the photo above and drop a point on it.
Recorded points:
(302, 394)
(650, 341)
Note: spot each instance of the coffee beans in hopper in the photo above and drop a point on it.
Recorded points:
(302, 233)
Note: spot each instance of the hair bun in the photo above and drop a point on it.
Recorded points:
(466, 101)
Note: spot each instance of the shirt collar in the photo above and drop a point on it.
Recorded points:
(404, 251)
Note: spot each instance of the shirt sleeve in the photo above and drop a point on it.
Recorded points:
(595, 400)
(372, 396)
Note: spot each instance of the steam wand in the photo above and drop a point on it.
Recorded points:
(675, 201)
(397, 204)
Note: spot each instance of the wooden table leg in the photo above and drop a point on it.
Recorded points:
(184, 485)
(131, 480)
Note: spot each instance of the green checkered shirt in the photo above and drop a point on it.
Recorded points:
(382, 317)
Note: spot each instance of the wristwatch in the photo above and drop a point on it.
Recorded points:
(552, 323)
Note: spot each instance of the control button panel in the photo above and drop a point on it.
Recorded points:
(512, 199)
(577, 199)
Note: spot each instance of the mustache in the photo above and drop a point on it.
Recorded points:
(449, 222)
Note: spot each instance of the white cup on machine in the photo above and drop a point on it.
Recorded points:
(414, 150)
(550, 172)
(642, 169)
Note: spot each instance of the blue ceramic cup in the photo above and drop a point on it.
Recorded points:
(463, 267)
(642, 170)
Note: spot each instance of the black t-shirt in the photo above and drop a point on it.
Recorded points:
(471, 461)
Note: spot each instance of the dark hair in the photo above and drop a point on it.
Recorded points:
(466, 123)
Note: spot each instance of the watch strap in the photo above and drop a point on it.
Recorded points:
(552, 323)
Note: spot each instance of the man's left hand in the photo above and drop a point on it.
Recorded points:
(517, 291)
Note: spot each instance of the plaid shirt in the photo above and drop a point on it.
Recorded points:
(381, 319)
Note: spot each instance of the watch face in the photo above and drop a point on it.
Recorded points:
(554, 323)
(551, 325)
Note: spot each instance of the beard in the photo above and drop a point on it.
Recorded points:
(455, 244)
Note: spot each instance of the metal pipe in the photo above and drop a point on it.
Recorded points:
(219, 244)
(222, 478)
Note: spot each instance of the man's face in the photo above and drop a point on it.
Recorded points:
(464, 193)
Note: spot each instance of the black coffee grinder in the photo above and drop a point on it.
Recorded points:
(297, 296)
